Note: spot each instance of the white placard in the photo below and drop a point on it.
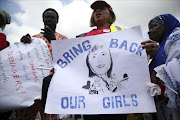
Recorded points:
(20, 80)
(101, 74)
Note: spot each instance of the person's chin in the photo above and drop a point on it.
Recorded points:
(151, 37)
(50, 26)
(99, 19)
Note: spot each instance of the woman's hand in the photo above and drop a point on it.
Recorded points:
(51, 71)
(26, 39)
(153, 87)
(151, 47)
(48, 33)
(154, 79)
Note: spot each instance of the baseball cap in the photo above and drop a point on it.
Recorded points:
(100, 3)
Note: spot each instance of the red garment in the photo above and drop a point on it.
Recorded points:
(162, 90)
(3, 42)
(97, 31)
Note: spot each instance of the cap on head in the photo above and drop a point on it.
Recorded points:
(100, 3)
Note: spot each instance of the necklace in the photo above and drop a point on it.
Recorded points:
(104, 30)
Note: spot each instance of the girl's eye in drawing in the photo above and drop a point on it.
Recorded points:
(93, 56)
(103, 54)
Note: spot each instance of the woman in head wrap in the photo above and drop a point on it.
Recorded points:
(160, 28)
(165, 65)
(4, 19)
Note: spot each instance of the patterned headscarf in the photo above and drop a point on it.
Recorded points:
(6, 18)
(170, 23)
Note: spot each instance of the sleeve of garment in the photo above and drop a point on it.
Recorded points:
(38, 35)
(65, 37)
(60, 36)
(171, 69)
(169, 74)
(3, 42)
(172, 45)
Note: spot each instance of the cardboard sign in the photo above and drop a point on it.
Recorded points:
(20, 80)
(101, 74)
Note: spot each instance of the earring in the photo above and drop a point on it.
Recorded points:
(110, 19)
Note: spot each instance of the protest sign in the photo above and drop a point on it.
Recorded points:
(20, 80)
(101, 74)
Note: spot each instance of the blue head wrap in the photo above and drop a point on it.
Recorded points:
(170, 23)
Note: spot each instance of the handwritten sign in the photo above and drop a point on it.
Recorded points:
(101, 74)
(20, 80)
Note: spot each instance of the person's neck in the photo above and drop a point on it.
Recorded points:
(101, 26)
(53, 29)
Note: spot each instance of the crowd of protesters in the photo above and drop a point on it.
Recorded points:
(163, 49)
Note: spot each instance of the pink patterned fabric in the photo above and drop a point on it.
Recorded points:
(58, 37)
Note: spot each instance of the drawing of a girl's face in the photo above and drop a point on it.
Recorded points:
(100, 60)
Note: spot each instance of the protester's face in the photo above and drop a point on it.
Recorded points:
(50, 19)
(156, 31)
(102, 15)
(1, 21)
(100, 61)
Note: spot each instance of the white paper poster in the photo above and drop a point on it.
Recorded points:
(20, 80)
(101, 74)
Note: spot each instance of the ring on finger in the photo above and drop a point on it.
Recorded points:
(153, 46)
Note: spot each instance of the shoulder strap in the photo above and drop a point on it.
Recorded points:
(119, 28)
(116, 28)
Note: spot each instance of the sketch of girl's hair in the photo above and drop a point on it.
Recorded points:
(96, 47)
